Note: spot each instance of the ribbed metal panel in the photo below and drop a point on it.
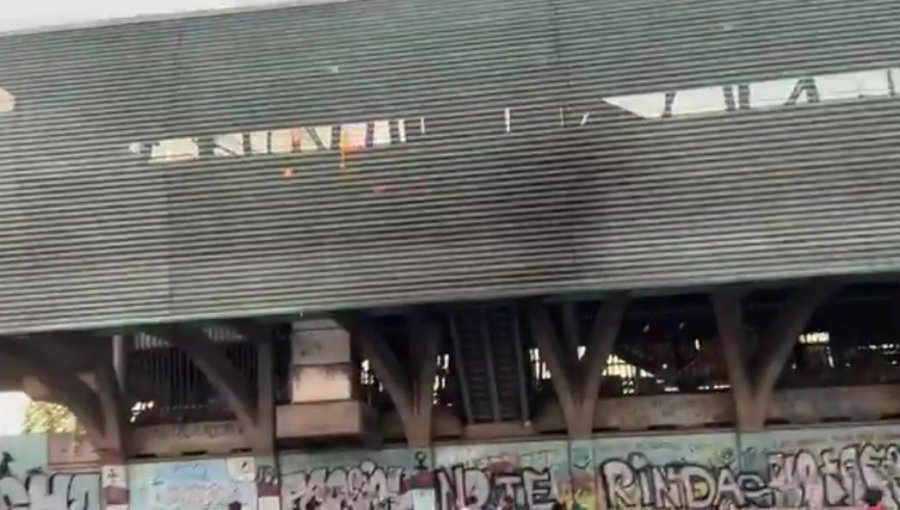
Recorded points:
(648, 143)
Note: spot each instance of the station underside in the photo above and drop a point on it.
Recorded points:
(816, 351)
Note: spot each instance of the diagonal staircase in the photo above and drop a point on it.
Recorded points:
(490, 363)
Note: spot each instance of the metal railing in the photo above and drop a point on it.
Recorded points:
(163, 385)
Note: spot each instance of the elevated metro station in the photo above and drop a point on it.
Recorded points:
(407, 254)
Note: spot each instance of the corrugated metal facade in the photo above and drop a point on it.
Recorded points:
(396, 151)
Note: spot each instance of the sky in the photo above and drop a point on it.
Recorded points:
(12, 412)
(43, 14)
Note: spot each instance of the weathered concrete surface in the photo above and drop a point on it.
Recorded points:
(853, 403)
(319, 342)
(173, 440)
(659, 411)
(72, 452)
(322, 366)
(698, 410)
(35, 390)
(446, 425)
(322, 383)
(322, 419)
(640, 413)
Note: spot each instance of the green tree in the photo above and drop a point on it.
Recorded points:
(48, 417)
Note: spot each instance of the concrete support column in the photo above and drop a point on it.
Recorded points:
(577, 381)
(411, 387)
(93, 396)
(584, 490)
(322, 368)
(121, 345)
(265, 393)
(324, 385)
(753, 373)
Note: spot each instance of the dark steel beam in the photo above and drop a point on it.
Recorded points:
(460, 366)
(489, 362)
(520, 364)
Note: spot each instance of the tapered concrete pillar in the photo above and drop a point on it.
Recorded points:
(411, 388)
(577, 381)
(754, 370)
(93, 396)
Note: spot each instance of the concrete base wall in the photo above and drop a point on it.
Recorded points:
(798, 468)
(698, 465)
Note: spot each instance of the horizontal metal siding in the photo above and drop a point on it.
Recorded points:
(94, 234)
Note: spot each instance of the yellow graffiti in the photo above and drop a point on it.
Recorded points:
(700, 490)
(718, 457)
(577, 498)
(347, 146)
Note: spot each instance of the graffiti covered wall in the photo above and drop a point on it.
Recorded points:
(817, 468)
(353, 479)
(827, 467)
(215, 484)
(534, 474)
(813, 468)
(29, 480)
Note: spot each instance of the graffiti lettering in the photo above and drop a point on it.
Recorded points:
(799, 479)
(364, 487)
(197, 495)
(489, 486)
(637, 482)
(370, 487)
(201, 484)
(40, 491)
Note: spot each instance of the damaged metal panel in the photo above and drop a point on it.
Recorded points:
(385, 152)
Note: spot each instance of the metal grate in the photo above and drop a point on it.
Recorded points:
(164, 386)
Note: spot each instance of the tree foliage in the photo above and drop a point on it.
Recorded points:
(48, 417)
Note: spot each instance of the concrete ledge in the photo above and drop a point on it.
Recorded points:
(445, 424)
(502, 430)
(71, 453)
(188, 439)
(652, 412)
(673, 410)
(848, 403)
(704, 410)
(321, 419)
(640, 413)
